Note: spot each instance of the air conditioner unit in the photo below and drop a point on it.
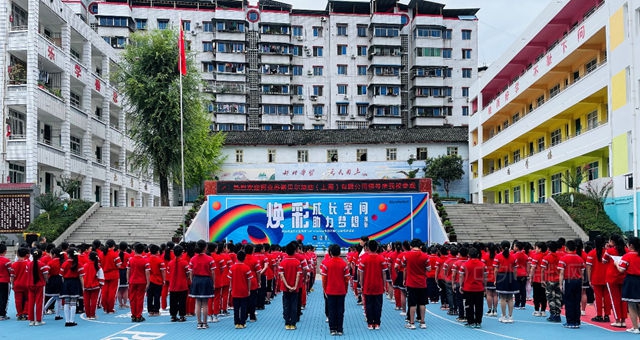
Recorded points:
(323, 19)
(194, 33)
(450, 100)
(314, 98)
(198, 24)
(318, 117)
(308, 53)
(309, 73)
(346, 97)
(352, 116)
(306, 48)
(353, 56)
(300, 38)
(301, 97)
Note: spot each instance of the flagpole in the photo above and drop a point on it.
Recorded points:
(182, 139)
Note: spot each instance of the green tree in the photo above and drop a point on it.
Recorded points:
(47, 202)
(573, 180)
(149, 79)
(443, 170)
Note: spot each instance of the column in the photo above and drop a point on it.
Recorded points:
(65, 128)
(106, 188)
(31, 148)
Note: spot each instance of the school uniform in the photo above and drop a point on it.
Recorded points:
(473, 273)
(521, 276)
(630, 263)
(506, 282)
(372, 266)
(552, 285)
(602, 301)
(416, 264)
(20, 286)
(5, 278)
(156, 269)
(138, 267)
(336, 279)
(221, 269)
(291, 268)
(177, 275)
(201, 266)
(93, 281)
(614, 280)
(240, 276)
(35, 300)
(448, 275)
(455, 282)
(71, 289)
(539, 295)
(573, 268)
(110, 263)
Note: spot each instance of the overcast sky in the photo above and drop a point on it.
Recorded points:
(499, 21)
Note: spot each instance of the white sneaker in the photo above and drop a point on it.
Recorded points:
(214, 319)
(39, 323)
(403, 313)
(494, 313)
(633, 330)
(536, 313)
(32, 323)
(503, 319)
(509, 319)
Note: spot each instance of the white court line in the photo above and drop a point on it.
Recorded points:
(120, 331)
(475, 329)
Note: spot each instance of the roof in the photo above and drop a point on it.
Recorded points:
(16, 186)
(434, 8)
(342, 137)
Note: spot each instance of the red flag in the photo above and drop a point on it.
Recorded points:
(8, 130)
(182, 58)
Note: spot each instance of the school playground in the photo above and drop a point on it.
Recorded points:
(312, 325)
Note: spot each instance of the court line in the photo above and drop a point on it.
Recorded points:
(475, 329)
(120, 331)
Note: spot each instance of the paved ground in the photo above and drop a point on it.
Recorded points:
(270, 325)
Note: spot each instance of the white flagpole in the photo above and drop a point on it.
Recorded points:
(182, 142)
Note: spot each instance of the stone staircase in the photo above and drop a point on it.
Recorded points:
(147, 225)
(497, 222)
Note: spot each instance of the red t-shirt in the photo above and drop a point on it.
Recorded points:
(521, 262)
(440, 267)
(54, 267)
(93, 279)
(433, 260)
(337, 273)
(550, 265)
(448, 268)
(67, 272)
(5, 270)
(505, 265)
(416, 264)
(202, 265)
(630, 262)
(156, 267)
(269, 260)
(43, 269)
(110, 264)
(573, 266)
(372, 266)
(20, 274)
(598, 269)
(536, 264)
(138, 266)
(613, 275)
(240, 274)
(177, 274)
(491, 276)
(253, 264)
(455, 278)
(473, 272)
(226, 260)
(290, 267)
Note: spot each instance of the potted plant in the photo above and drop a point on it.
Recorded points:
(17, 74)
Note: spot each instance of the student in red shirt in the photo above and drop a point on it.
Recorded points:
(570, 272)
(615, 279)
(202, 278)
(504, 269)
(443, 255)
(72, 285)
(447, 267)
(19, 282)
(551, 279)
(472, 276)
(138, 273)
(5, 278)
(372, 280)
(123, 286)
(522, 259)
(596, 274)
(256, 268)
(110, 262)
(221, 274)
(463, 256)
(156, 280)
(178, 277)
(490, 287)
(416, 265)
(539, 296)
(93, 278)
(335, 282)
(240, 276)
(630, 263)
(38, 272)
(290, 273)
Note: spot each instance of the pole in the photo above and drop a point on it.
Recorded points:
(182, 148)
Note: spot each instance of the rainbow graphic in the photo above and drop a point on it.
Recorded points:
(386, 218)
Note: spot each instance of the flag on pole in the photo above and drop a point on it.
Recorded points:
(182, 58)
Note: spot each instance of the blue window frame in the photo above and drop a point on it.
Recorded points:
(362, 89)
(466, 54)
(446, 53)
(343, 109)
(318, 110)
(207, 46)
(317, 51)
(465, 110)
(317, 70)
(186, 25)
(362, 70)
(207, 26)
(362, 109)
(141, 24)
(297, 70)
(362, 30)
(342, 49)
(342, 29)
(317, 31)
(362, 50)
(298, 109)
(466, 73)
(342, 69)
(466, 34)
(342, 89)
(297, 31)
(163, 24)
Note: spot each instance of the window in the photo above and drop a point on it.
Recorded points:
(76, 145)
(590, 66)
(592, 171)
(466, 54)
(446, 34)
(342, 69)
(466, 73)
(392, 154)
(362, 109)
(428, 52)
(239, 156)
(386, 32)
(298, 127)
(446, 53)
(421, 154)
(16, 173)
(506, 196)
(297, 31)
(317, 70)
(317, 31)
(207, 46)
(141, 24)
(163, 24)
(516, 156)
(516, 195)
(515, 117)
(465, 92)
(362, 50)
(592, 120)
(540, 101)
(466, 34)
(17, 123)
(465, 110)
(207, 26)
(452, 150)
(75, 100)
(342, 49)
(342, 89)
(542, 190)
(317, 90)
(297, 70)
(271, 156)
(506, 160)
(318, 110)
(186, 25)
(628, 181)
(99, 154)
(540, 144)
(332, 155)
(318, 126)
(554, 91)
(317, 51)
(298, 109)
(303, 156)
(343, 109)
(342, 29)
(208, 66)
(362, 89)
(556, 184)
(362, 30)
(114, 21)
(362, 70)
(556, 137)
(361, 155)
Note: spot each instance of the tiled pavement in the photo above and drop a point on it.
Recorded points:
(270, 325)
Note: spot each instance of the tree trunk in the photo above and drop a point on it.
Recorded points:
(164, 190)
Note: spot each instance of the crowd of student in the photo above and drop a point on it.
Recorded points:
(206, 280)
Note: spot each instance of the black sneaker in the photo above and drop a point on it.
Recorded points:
(597, 319)
(174, 319)
(606, 318)
(58, 318)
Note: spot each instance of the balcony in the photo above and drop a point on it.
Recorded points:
(49, 49)
(78, 118)
(48, 102)
(17, 40)
(51, 154)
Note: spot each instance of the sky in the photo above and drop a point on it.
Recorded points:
(496, 31)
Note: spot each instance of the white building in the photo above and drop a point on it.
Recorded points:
(564, 99)
(63, 117)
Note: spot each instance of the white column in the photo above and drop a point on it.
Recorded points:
(32, 130)
(65, 128)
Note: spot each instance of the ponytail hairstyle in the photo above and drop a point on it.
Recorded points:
(635, 243)
(167, 251)
(36, 254)
(177, 251)
(505, 248)
(73, 256)
(123, 248)
(619, 244)
(93, 257)
(579, 246)
(492, 250)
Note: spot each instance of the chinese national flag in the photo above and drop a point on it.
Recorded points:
(182, 58)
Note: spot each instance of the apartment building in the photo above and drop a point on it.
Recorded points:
(562, 101)
(63, 117)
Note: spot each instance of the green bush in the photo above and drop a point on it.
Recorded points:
(59, 219)
(588, 213)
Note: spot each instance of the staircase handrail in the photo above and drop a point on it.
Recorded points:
(75, 225)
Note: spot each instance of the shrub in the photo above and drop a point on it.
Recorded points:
(583, 213)
(55, 222)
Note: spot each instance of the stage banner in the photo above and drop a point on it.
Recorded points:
(318, 219)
